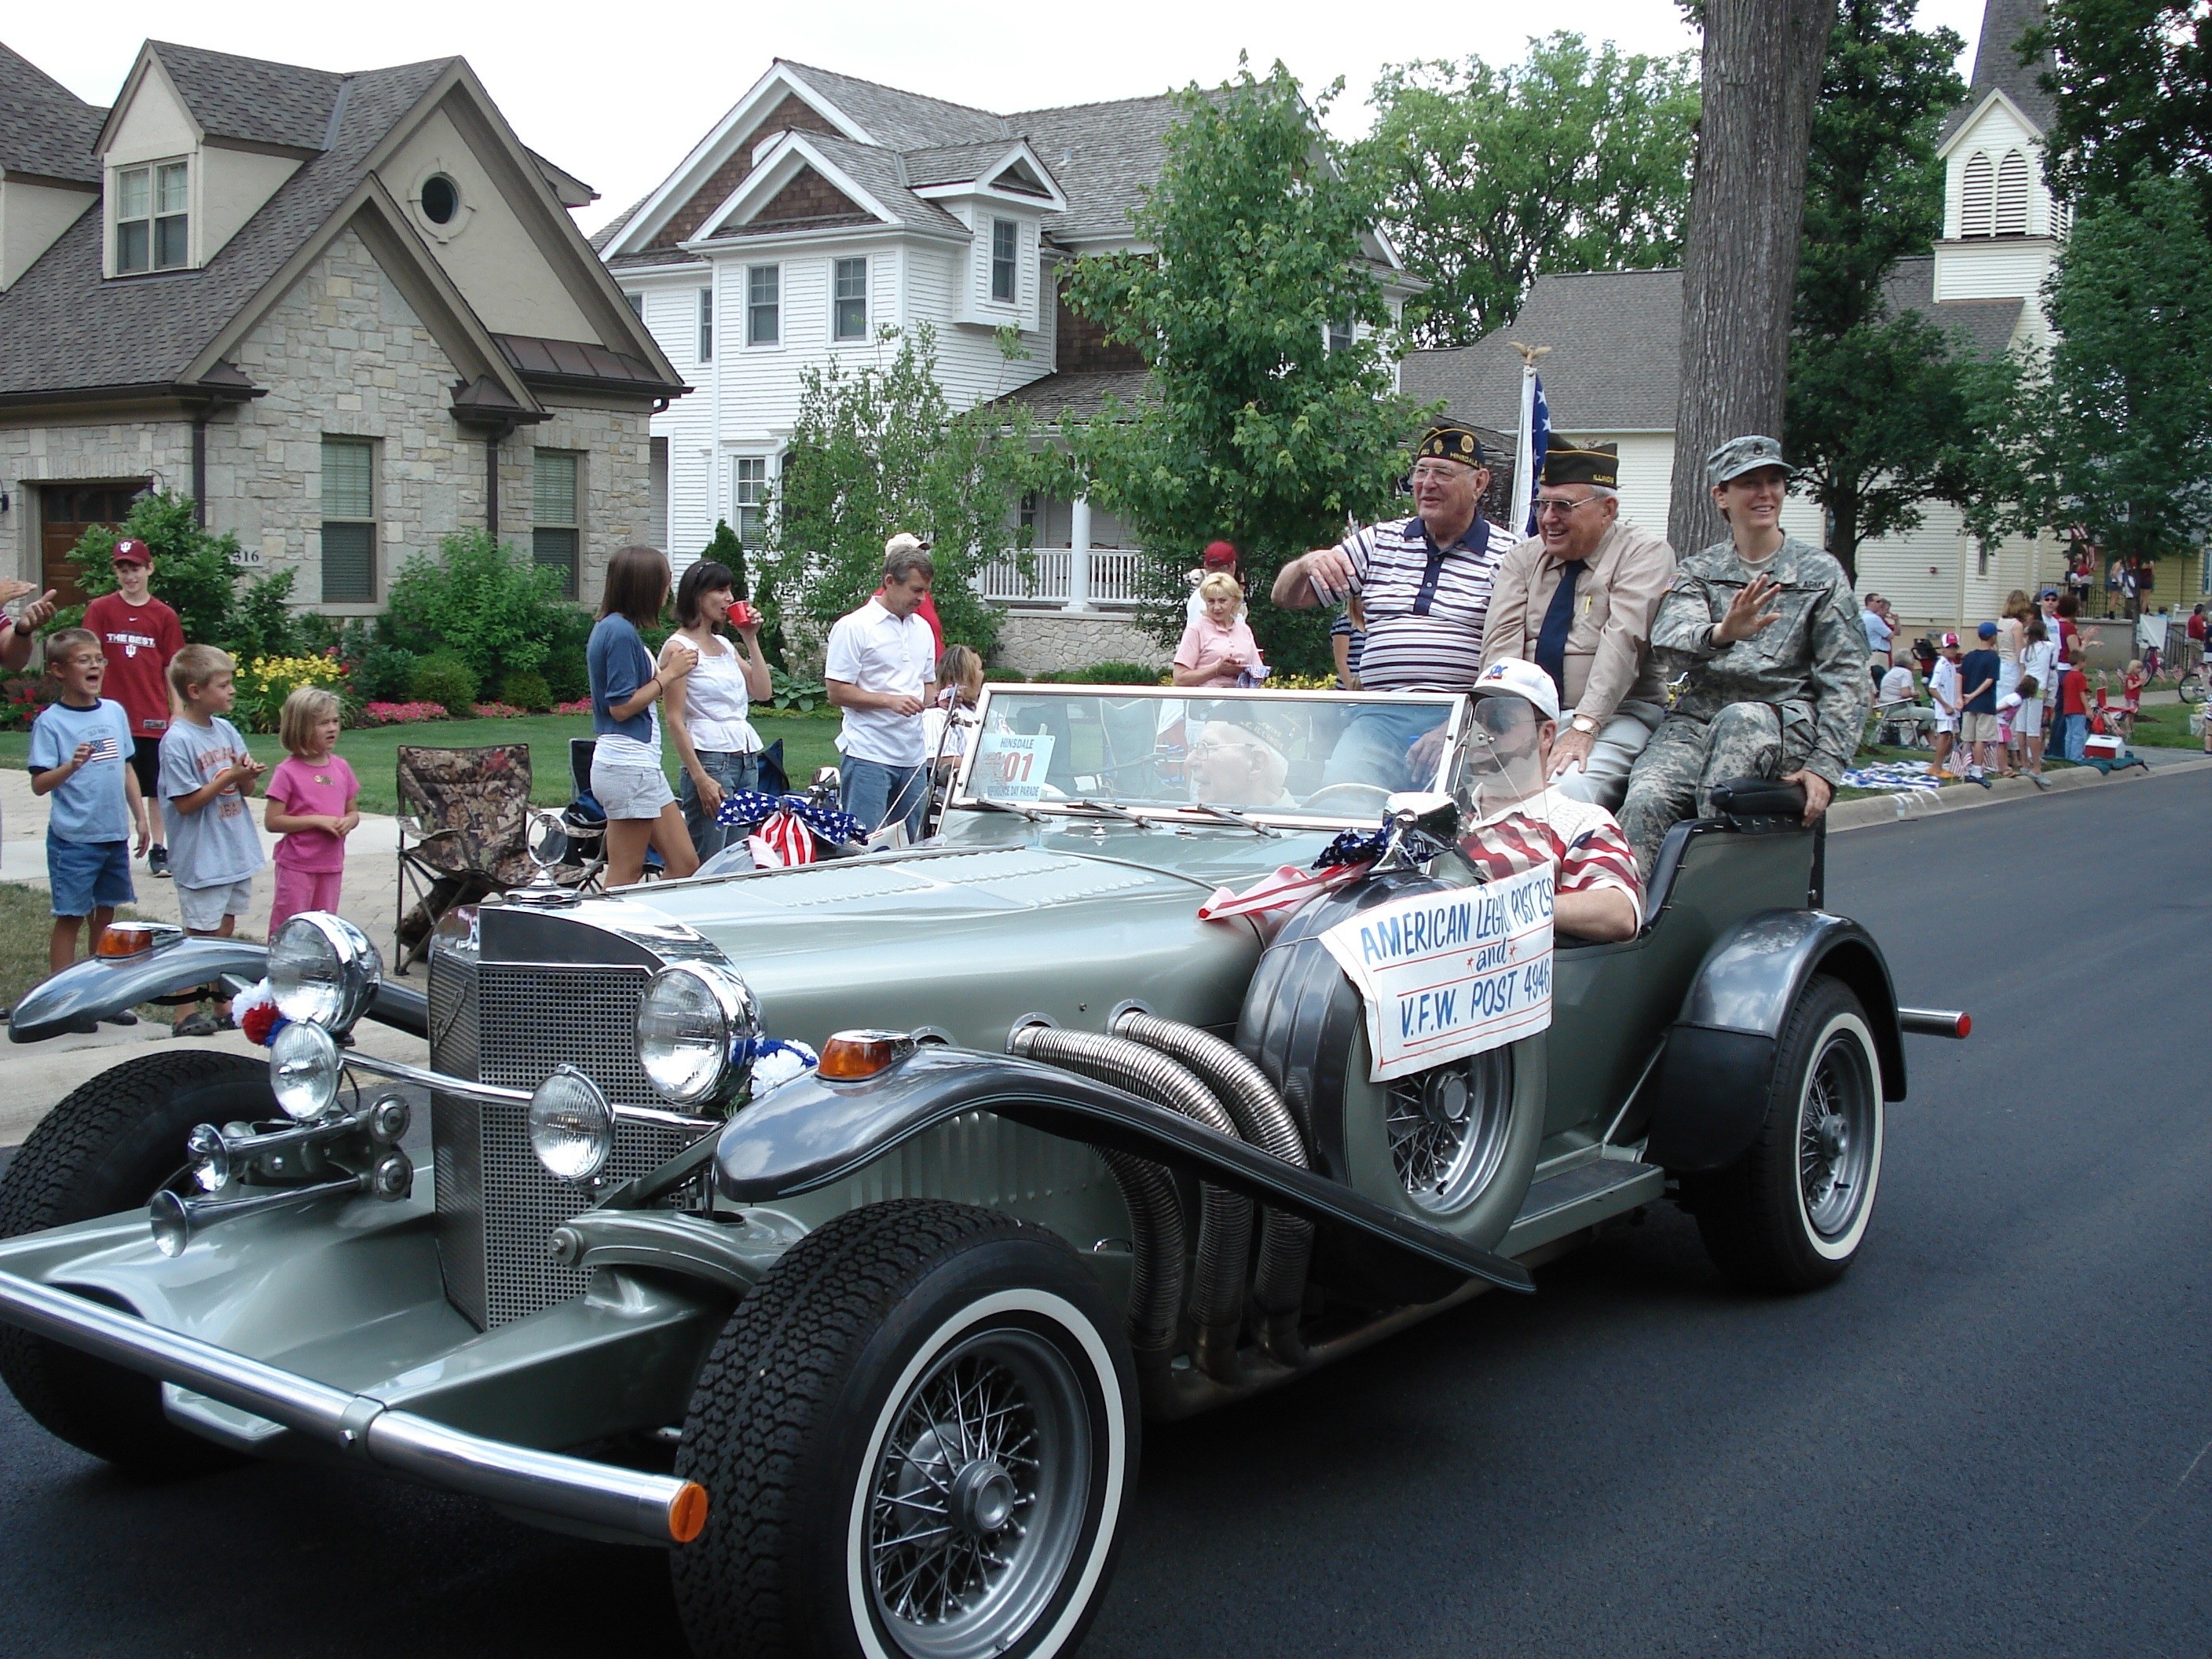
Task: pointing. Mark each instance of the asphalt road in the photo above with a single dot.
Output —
(1995, 1436)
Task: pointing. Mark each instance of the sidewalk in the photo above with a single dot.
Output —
(368, 900)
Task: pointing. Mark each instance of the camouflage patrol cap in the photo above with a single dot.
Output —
(1740, 455)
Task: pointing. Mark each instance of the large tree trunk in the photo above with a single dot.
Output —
(1761, 74)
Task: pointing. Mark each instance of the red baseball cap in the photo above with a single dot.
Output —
(132, 550)
(1220, 556)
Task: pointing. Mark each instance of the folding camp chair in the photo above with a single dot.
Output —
(464, 832)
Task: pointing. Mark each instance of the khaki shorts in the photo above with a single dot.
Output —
(203, 909)
(1980, 728)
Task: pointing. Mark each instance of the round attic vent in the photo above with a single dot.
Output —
(442, 199)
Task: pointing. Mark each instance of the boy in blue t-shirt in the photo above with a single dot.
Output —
(207, 773)
(1978, 723)
(80, 756)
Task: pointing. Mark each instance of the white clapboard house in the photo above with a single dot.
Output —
(822, 209)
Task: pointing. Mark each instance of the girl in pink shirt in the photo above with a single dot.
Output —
(1219, 649)
(311, 805)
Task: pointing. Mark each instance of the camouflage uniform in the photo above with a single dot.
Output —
(1791, 697)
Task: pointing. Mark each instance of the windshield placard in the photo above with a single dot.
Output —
(1012, 765)
(1450, 974)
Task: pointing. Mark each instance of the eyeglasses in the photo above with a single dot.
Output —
(1207, 748)
(1444, 474)
(1559, 506)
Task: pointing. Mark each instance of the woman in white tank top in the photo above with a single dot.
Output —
(708, 712)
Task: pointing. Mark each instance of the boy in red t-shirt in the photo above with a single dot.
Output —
(138, 635)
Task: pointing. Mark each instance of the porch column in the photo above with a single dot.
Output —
(1078, 554)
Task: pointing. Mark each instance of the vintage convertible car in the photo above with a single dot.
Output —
(868, 1350)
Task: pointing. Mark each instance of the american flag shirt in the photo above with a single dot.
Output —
(1584, 846)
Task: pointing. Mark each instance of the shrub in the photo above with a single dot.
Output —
(195, 573)
(481, 601)
(265, 681)
(566, 676)
(526, 691)
(23, 697)
(385, 673)
(261, 620)
(789, 695)
(1111, 673)
(446, 679)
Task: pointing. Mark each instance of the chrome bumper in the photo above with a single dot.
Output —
(651, 1508)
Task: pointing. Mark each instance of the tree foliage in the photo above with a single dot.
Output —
(1252, 430)
(2117, 437)
(878, 450)
(198, 575)
(2132, 82)
(1574, 159)
(1882, 408)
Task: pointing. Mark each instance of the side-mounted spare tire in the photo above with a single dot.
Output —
(1454, 1147)
(108, 1148)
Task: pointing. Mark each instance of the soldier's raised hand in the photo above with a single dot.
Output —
(1745, 616)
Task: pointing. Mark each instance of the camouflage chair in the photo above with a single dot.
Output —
(464, 826)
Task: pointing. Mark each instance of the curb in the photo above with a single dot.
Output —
(1907, 804)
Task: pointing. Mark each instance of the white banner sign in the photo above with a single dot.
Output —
(1447, 974)
(1011, 765)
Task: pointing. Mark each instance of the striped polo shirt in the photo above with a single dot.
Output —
(1425, 606)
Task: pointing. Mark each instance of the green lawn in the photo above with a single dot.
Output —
(2166, 726)
(808, 743)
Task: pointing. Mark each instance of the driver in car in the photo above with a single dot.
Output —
(1232, 765)
(1521, 822)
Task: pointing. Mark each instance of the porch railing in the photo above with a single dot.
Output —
(1114, 580)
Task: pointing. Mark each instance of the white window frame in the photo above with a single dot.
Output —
(838, 299)
(743, 481)
(754, 305)
(704, 344)
(155, 176)
(1012, 263)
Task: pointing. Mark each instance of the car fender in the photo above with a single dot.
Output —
(98, 987)
(1710, 1091)
(811, 1132)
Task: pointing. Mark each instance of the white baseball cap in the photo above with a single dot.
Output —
(1512, 676)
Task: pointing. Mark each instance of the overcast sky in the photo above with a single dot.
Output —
(617, 94)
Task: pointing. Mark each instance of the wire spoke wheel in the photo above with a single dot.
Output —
(978, 1496)
(1835, 1137)
(1446, 1129)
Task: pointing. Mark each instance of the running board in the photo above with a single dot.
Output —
(1581, 1197)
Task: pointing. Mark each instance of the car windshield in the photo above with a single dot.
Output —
(1281, 755)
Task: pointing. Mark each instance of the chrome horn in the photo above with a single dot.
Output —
(174, 1219)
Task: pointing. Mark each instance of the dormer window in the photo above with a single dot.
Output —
(1004, 237)
(153, 223)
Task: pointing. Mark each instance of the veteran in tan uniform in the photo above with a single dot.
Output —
(1577, 599)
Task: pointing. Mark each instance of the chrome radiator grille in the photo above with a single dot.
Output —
(510, 1023)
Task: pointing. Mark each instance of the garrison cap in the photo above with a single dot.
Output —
(1566, 462)
(1740, 455)
(1448, 440)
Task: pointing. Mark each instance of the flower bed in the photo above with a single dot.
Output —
(400, 713)
(497, 711)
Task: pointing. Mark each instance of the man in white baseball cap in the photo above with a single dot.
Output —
(1517, 821)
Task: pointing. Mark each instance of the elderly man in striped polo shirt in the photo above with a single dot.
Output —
(1424, 583)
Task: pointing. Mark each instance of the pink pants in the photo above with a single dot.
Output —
(302, 889)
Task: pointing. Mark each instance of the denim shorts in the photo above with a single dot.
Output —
(87, 875)
(630, 792)
(733, 771)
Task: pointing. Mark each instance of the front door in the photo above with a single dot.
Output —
(66, 510)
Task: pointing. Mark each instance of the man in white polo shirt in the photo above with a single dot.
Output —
(881, 660)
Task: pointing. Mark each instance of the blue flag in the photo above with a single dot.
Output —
(1539, 440)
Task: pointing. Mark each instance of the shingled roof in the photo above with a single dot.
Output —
(1103, 157)
(1998, 67)
(1616, 339)
(45, 128)
(251, 98)
(898, 119)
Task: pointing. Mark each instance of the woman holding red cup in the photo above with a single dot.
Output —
(707, 710)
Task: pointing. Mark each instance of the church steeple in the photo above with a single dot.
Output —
(1998, 67)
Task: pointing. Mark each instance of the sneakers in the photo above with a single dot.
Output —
(197, 1024)
(157, 861)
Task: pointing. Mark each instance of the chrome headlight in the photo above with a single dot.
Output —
(303, 1070)
(323, 970)
(572, 1127)
(697, 1025)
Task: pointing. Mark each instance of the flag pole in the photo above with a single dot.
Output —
(1524, 452)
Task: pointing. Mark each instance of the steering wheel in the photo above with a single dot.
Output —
(1381, 795)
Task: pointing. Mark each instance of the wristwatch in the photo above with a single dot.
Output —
(1585, 724)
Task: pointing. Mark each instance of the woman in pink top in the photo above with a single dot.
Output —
(311, 805)
(1215, 651)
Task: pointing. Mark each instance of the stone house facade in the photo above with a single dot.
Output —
(406, 319)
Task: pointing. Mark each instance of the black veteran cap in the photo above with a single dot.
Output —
(1566, 462)
(1448, 440)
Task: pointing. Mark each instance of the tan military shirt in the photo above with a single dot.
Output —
(1608, 655)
